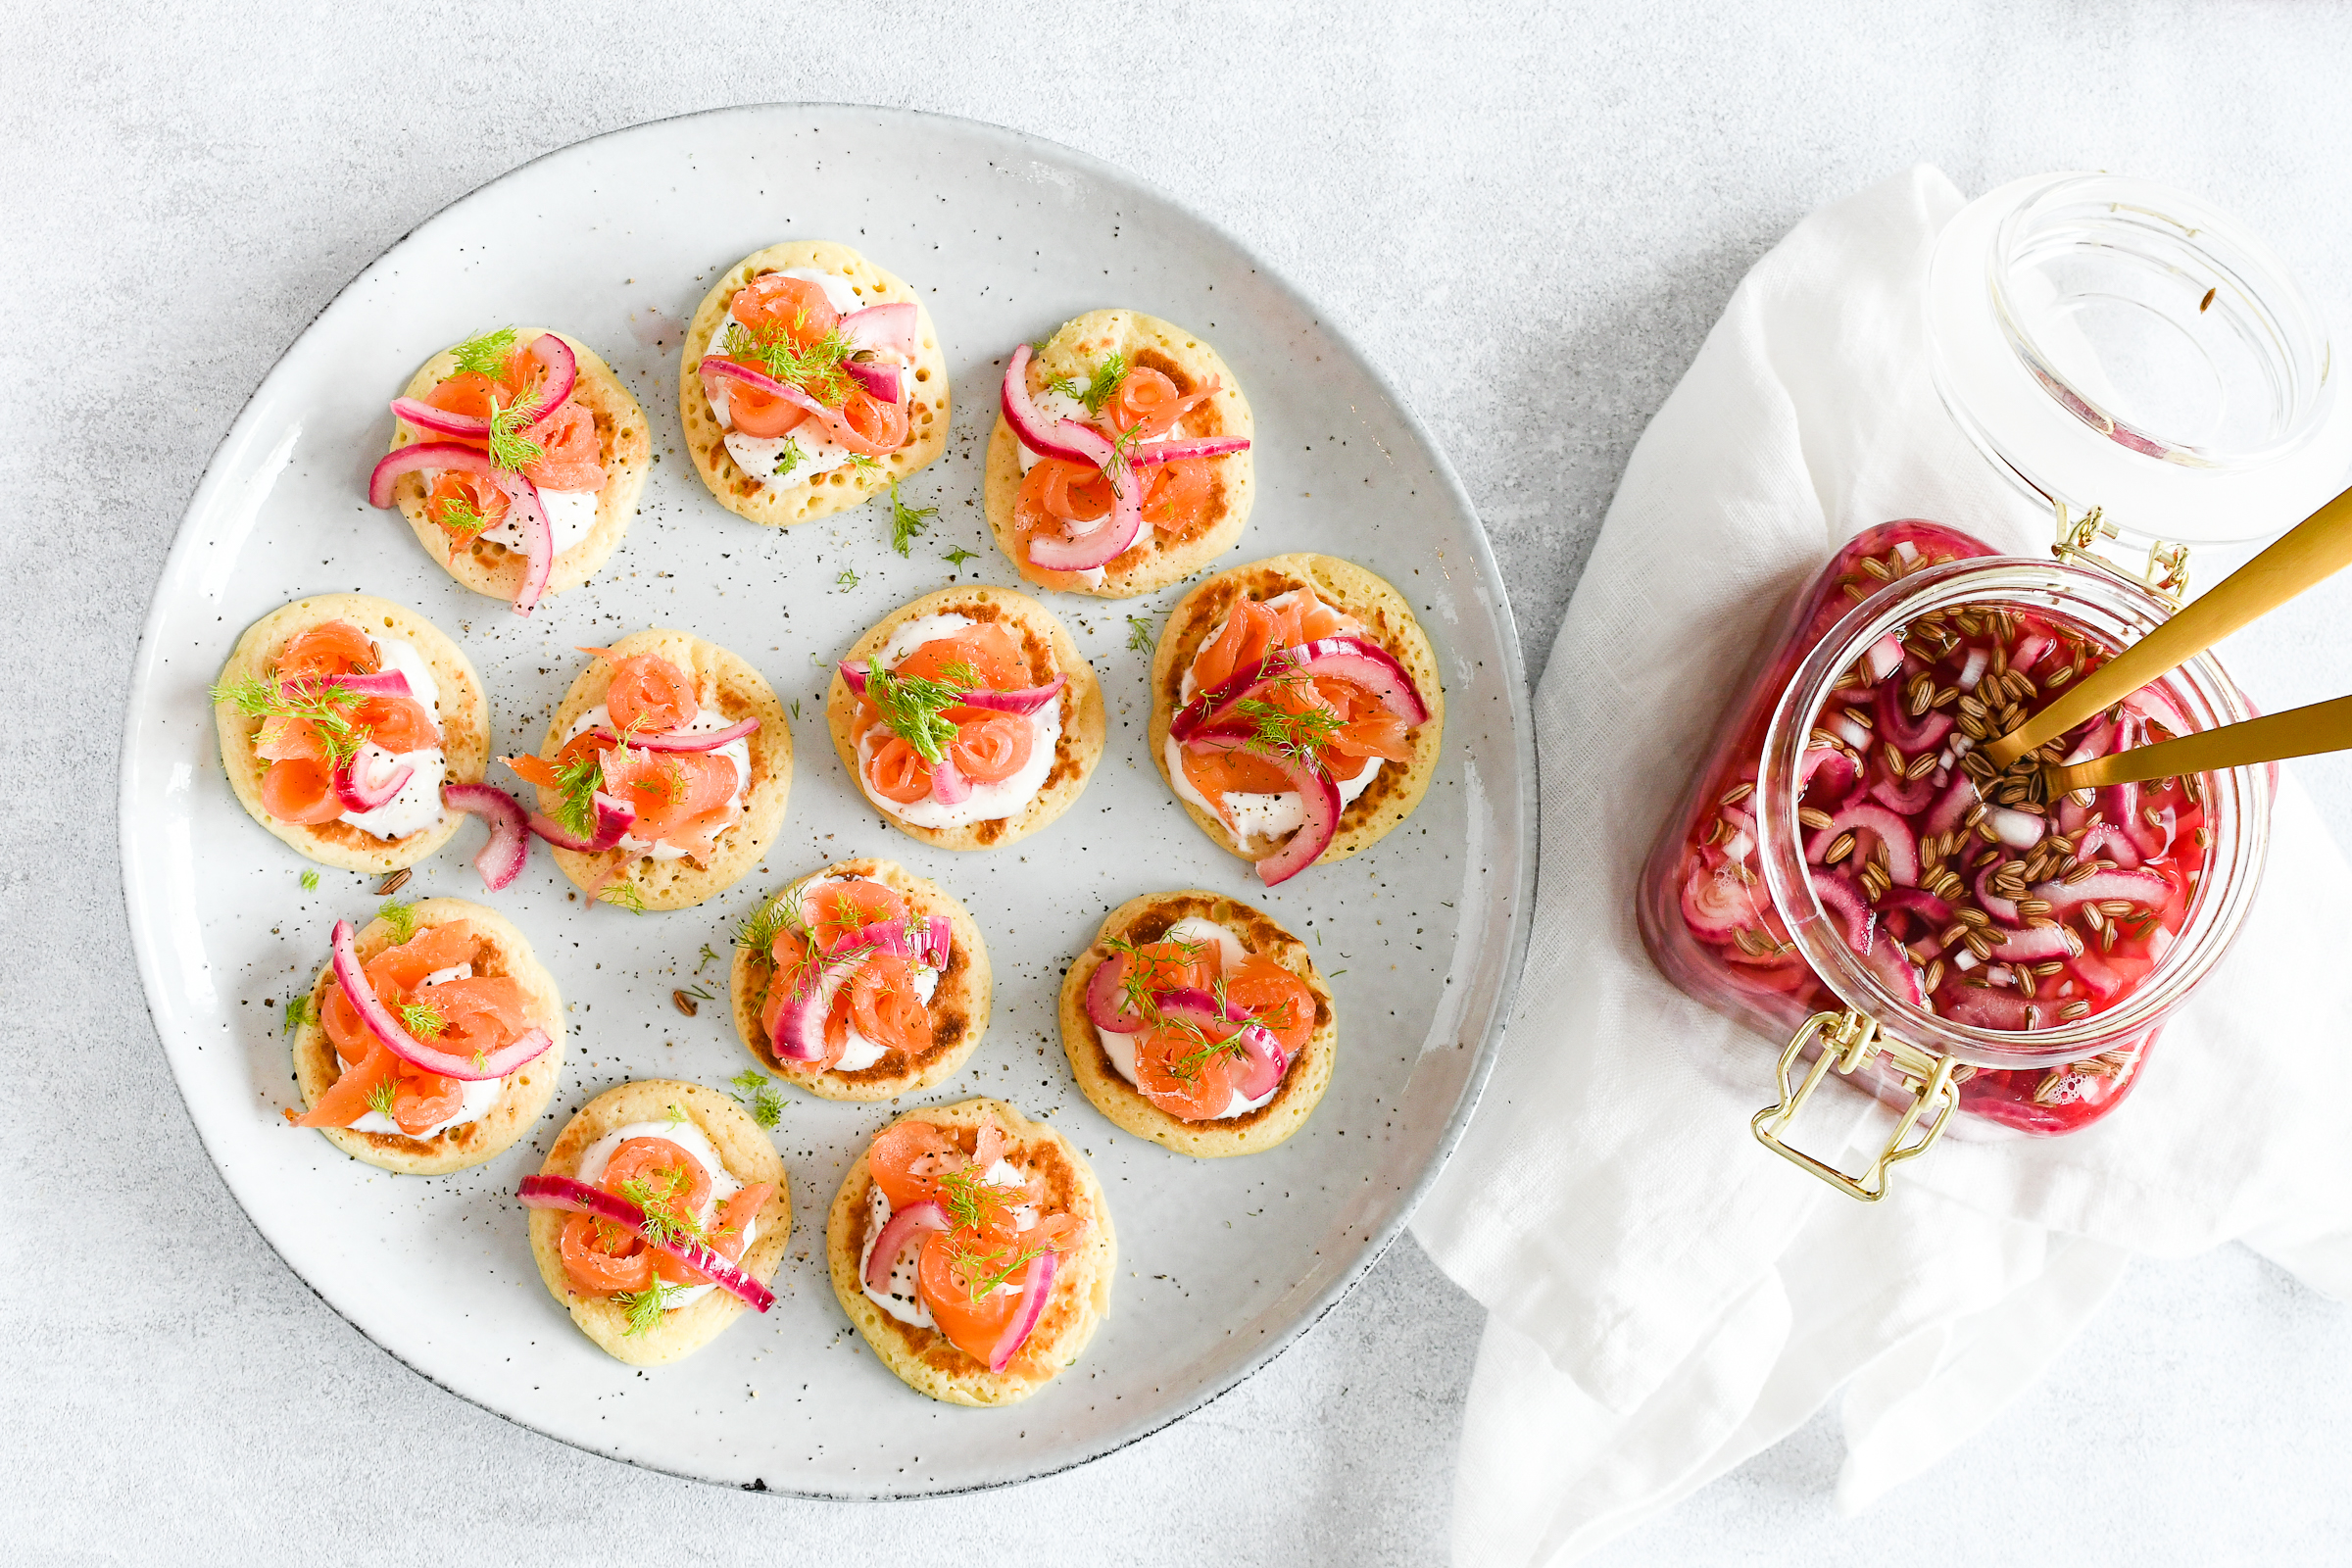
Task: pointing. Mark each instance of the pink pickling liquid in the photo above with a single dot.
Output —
(2001, 917)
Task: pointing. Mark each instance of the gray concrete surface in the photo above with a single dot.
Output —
(1531, 215)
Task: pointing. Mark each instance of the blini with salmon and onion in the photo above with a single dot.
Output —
(838, 444)
(258, 707)
(923, 1356)
(1276, 728)
(1152, 1087)
(929, 1032)
(494, 949)
(1144, 388)
(630, 1330)
(1037, 759)
(709, 853)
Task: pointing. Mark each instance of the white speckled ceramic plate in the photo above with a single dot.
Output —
(614, 240)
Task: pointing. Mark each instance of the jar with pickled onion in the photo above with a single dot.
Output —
(1845, 866)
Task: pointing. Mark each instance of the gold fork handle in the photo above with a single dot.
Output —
(2297, 733)
(2313, 550)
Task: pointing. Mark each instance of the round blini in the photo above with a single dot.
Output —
(959, 1008)
(502, 950)
(838, 489)
(730, 685)
(749, 1156)
(1156, 559)
(925, 1358)
(462, 711)
(1388, 619)
(624, 446)
(1049, 650)
(1146, 919)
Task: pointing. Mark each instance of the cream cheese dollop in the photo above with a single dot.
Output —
(417, 806)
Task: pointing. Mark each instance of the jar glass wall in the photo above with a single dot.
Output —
(1832, 853)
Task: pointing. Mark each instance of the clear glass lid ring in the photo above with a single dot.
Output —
(2109, 342)
(2158, 323)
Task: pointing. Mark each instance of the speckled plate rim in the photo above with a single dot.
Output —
(1485, 1018)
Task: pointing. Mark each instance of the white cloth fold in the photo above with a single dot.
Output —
(1666, 1297)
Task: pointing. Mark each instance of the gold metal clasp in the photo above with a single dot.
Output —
(2167, 572)
(1849, 1043)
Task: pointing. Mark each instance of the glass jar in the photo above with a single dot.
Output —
(1750, 904)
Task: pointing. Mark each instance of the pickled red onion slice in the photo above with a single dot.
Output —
(2035, 945)
(383, 683)
(2143, 888)
(1716, 903)
(949, 786)
(689, 740)
(564, 1192)
(614, 819)
(1349, 658)
(925, 942)
(526, 1046)
(880, 381)
(1107, 1001)
(1844, 904)
(365, 783)
(563, 373)
(1841, 772)
(525, 513)
(1891, 830)
(1317, 792)
(1040, 432)
(509, 847)
(1146, 454)
(904, 1225)
(523, 510)
(1026, 699)
(800, 1032)
(1034, 1289)
(1910, 735)
(883, 327)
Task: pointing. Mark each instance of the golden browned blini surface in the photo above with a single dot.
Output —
(926, 1360)
(624, 447)
(780, 506)
(749, 1156)
(500, 950)
(959, 1008)
(722, 682)
(1046, 644)
(1146, 919)
(1157, 558)
(1388, 620)
(462, 712)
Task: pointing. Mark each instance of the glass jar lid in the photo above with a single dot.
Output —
(2109, 342)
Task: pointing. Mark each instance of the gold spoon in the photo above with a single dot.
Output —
(2273, 738)
(2312, 550)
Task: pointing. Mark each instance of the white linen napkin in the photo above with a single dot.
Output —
(1666, 1297)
